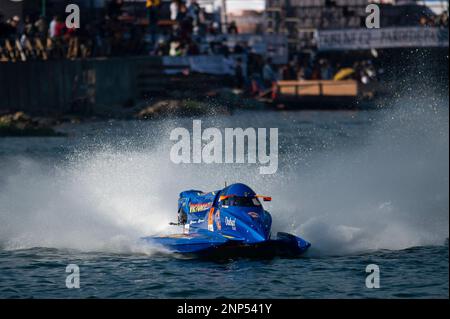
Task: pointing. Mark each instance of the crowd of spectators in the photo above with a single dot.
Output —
(179, 31)
(114, 33)
(189, 26)
(43, 39)
(264, 74)
(362, 70)
(435, 21)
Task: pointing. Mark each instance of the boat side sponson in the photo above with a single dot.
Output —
(284, 244)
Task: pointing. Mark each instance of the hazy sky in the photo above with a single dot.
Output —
(234, 5)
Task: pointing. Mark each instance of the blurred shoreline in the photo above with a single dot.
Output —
(42, 95)
(137, 60)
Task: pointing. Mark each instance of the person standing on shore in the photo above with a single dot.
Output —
(4, 29)
(269, 76)
(3, 35)
(194, 11)
(12, 28)
(239, 74)
(52, 27)
(232, 28)
(41, 27)
(56, 31)
(56, 28)
(174, 9)
(153, 7)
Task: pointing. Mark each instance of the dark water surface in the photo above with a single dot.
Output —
(40, 273)
(363, 187)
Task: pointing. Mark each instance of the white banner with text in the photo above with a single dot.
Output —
(366, 39)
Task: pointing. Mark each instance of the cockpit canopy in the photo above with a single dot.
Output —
(241, 201)
(239, 190)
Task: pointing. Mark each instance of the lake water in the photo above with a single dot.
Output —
(363, 187)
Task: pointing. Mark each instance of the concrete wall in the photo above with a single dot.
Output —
(57, 87)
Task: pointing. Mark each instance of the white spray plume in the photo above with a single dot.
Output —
(391, 193)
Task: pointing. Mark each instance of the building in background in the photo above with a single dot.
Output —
(437, 6)
(299, 20)
(216, 10)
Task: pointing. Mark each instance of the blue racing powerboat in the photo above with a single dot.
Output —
(229, 222)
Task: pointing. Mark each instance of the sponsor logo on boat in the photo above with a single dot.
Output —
(217, 220)
(195, 208)
(210, 219)
(230, 222)
(253, 215)
(198, 221)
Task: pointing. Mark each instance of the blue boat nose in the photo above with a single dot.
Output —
(249, 224)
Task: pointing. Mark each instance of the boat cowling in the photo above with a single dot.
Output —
(240, 215)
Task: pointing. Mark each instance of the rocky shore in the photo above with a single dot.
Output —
(21, 124)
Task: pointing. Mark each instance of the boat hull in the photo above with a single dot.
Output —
(215, 246)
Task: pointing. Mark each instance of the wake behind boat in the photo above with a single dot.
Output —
(229, 222)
